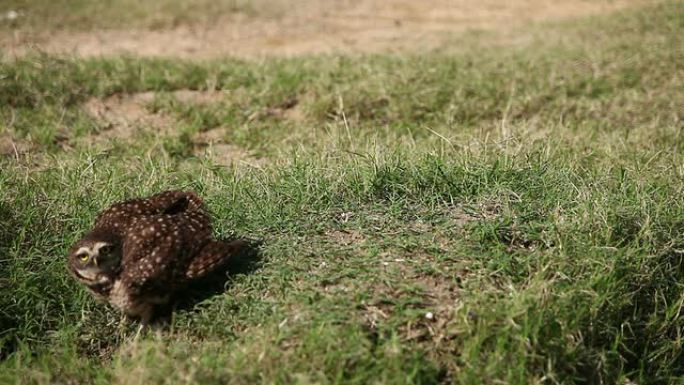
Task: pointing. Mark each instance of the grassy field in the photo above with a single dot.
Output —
(39, 15)
(498, 215)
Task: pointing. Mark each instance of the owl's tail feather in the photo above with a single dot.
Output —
(213, 255)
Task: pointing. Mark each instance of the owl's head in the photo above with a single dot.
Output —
(92, 260)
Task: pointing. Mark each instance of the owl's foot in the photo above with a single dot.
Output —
(145, 313)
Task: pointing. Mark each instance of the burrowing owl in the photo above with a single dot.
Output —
(141, 251)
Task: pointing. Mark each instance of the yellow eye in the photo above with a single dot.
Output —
(84, 257)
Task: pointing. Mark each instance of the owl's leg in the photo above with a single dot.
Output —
(137, 332)
(123, 323)
(146, 312)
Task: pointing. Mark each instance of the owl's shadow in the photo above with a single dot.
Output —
(244, 262)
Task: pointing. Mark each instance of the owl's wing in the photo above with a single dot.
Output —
(213, 255)
(149, 264)
(168, 202)
(158, 249)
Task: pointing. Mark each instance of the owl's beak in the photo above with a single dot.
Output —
(95, 261)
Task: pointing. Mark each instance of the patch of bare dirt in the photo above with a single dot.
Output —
(289, 109)
(123, 116)
(286, 110)
(14, 147)
(462, 215)
(318, 26)
(22, 151)
(199, 97)
(441, 301)
(211, 144)
(344, 237)
(435, 299)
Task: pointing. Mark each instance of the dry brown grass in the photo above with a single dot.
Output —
(312, 27)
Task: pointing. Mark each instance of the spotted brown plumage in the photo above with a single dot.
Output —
(118, 215)
(141, 251)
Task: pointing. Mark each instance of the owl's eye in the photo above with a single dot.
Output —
(83, 257)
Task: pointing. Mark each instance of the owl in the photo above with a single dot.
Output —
(142, 251)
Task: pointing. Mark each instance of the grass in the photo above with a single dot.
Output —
(81, 15)
(528, 199)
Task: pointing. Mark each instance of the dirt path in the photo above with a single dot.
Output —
(319, 26)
